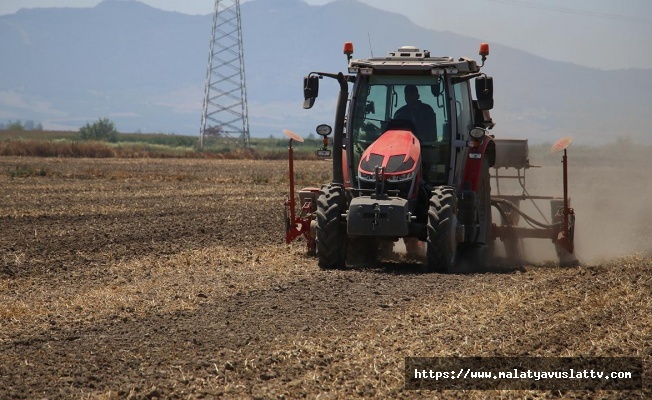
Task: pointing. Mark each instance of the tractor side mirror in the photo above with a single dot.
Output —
(310, 90)
(484, 90)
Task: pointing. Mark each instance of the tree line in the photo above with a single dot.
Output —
(28, 125)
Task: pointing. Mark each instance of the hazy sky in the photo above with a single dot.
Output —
(606, 34)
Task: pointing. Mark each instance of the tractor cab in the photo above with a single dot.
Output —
(410, 118)
(410, 90)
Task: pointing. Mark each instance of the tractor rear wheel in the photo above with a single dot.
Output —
(331, 238)
(483, 206)
(479, 252)
(441, 246)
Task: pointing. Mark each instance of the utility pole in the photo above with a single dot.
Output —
(225, 98)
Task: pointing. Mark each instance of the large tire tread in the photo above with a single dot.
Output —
(442, 220)
(331, 239)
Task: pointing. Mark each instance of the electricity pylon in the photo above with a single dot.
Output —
(225, 97)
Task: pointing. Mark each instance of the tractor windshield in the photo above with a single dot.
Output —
(415, 103)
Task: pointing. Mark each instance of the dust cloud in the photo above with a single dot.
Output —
(611, 192)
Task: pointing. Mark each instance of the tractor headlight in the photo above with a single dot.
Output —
(366, 177)
(401, 178)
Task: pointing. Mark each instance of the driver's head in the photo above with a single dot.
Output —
(411, 94)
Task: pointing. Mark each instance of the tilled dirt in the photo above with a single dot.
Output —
(170, 279)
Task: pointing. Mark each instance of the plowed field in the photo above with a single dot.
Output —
(171, 279)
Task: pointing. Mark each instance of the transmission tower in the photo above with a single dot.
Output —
(225, 98)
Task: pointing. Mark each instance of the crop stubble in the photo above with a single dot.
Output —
(169, 278)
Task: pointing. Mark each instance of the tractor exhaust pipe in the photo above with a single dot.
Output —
(338, 136)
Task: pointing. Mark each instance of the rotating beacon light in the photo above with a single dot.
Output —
(484, 52)
(348, 50)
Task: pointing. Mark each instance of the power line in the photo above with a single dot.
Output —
(571, 11)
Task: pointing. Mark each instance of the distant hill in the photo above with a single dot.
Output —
(145, 69)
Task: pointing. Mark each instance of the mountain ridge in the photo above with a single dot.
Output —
(145, 68)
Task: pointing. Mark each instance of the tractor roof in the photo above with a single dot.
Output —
(411, 60)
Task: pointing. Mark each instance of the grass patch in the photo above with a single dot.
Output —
(24, 171)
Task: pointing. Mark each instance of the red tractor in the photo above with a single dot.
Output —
(411, 159)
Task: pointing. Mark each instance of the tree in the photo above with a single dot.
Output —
(15, 126)
(103, 129)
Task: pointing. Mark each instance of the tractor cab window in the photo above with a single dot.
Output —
(414, 103)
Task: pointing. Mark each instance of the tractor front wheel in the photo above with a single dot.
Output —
(442, 228)
(331, 238)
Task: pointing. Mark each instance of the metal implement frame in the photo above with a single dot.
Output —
(296, 226)
(560, 230)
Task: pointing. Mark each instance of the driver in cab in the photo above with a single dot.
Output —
(419, 113)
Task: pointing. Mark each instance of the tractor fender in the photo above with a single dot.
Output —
(474, 160)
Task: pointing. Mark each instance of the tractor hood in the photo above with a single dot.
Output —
(396, 150)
